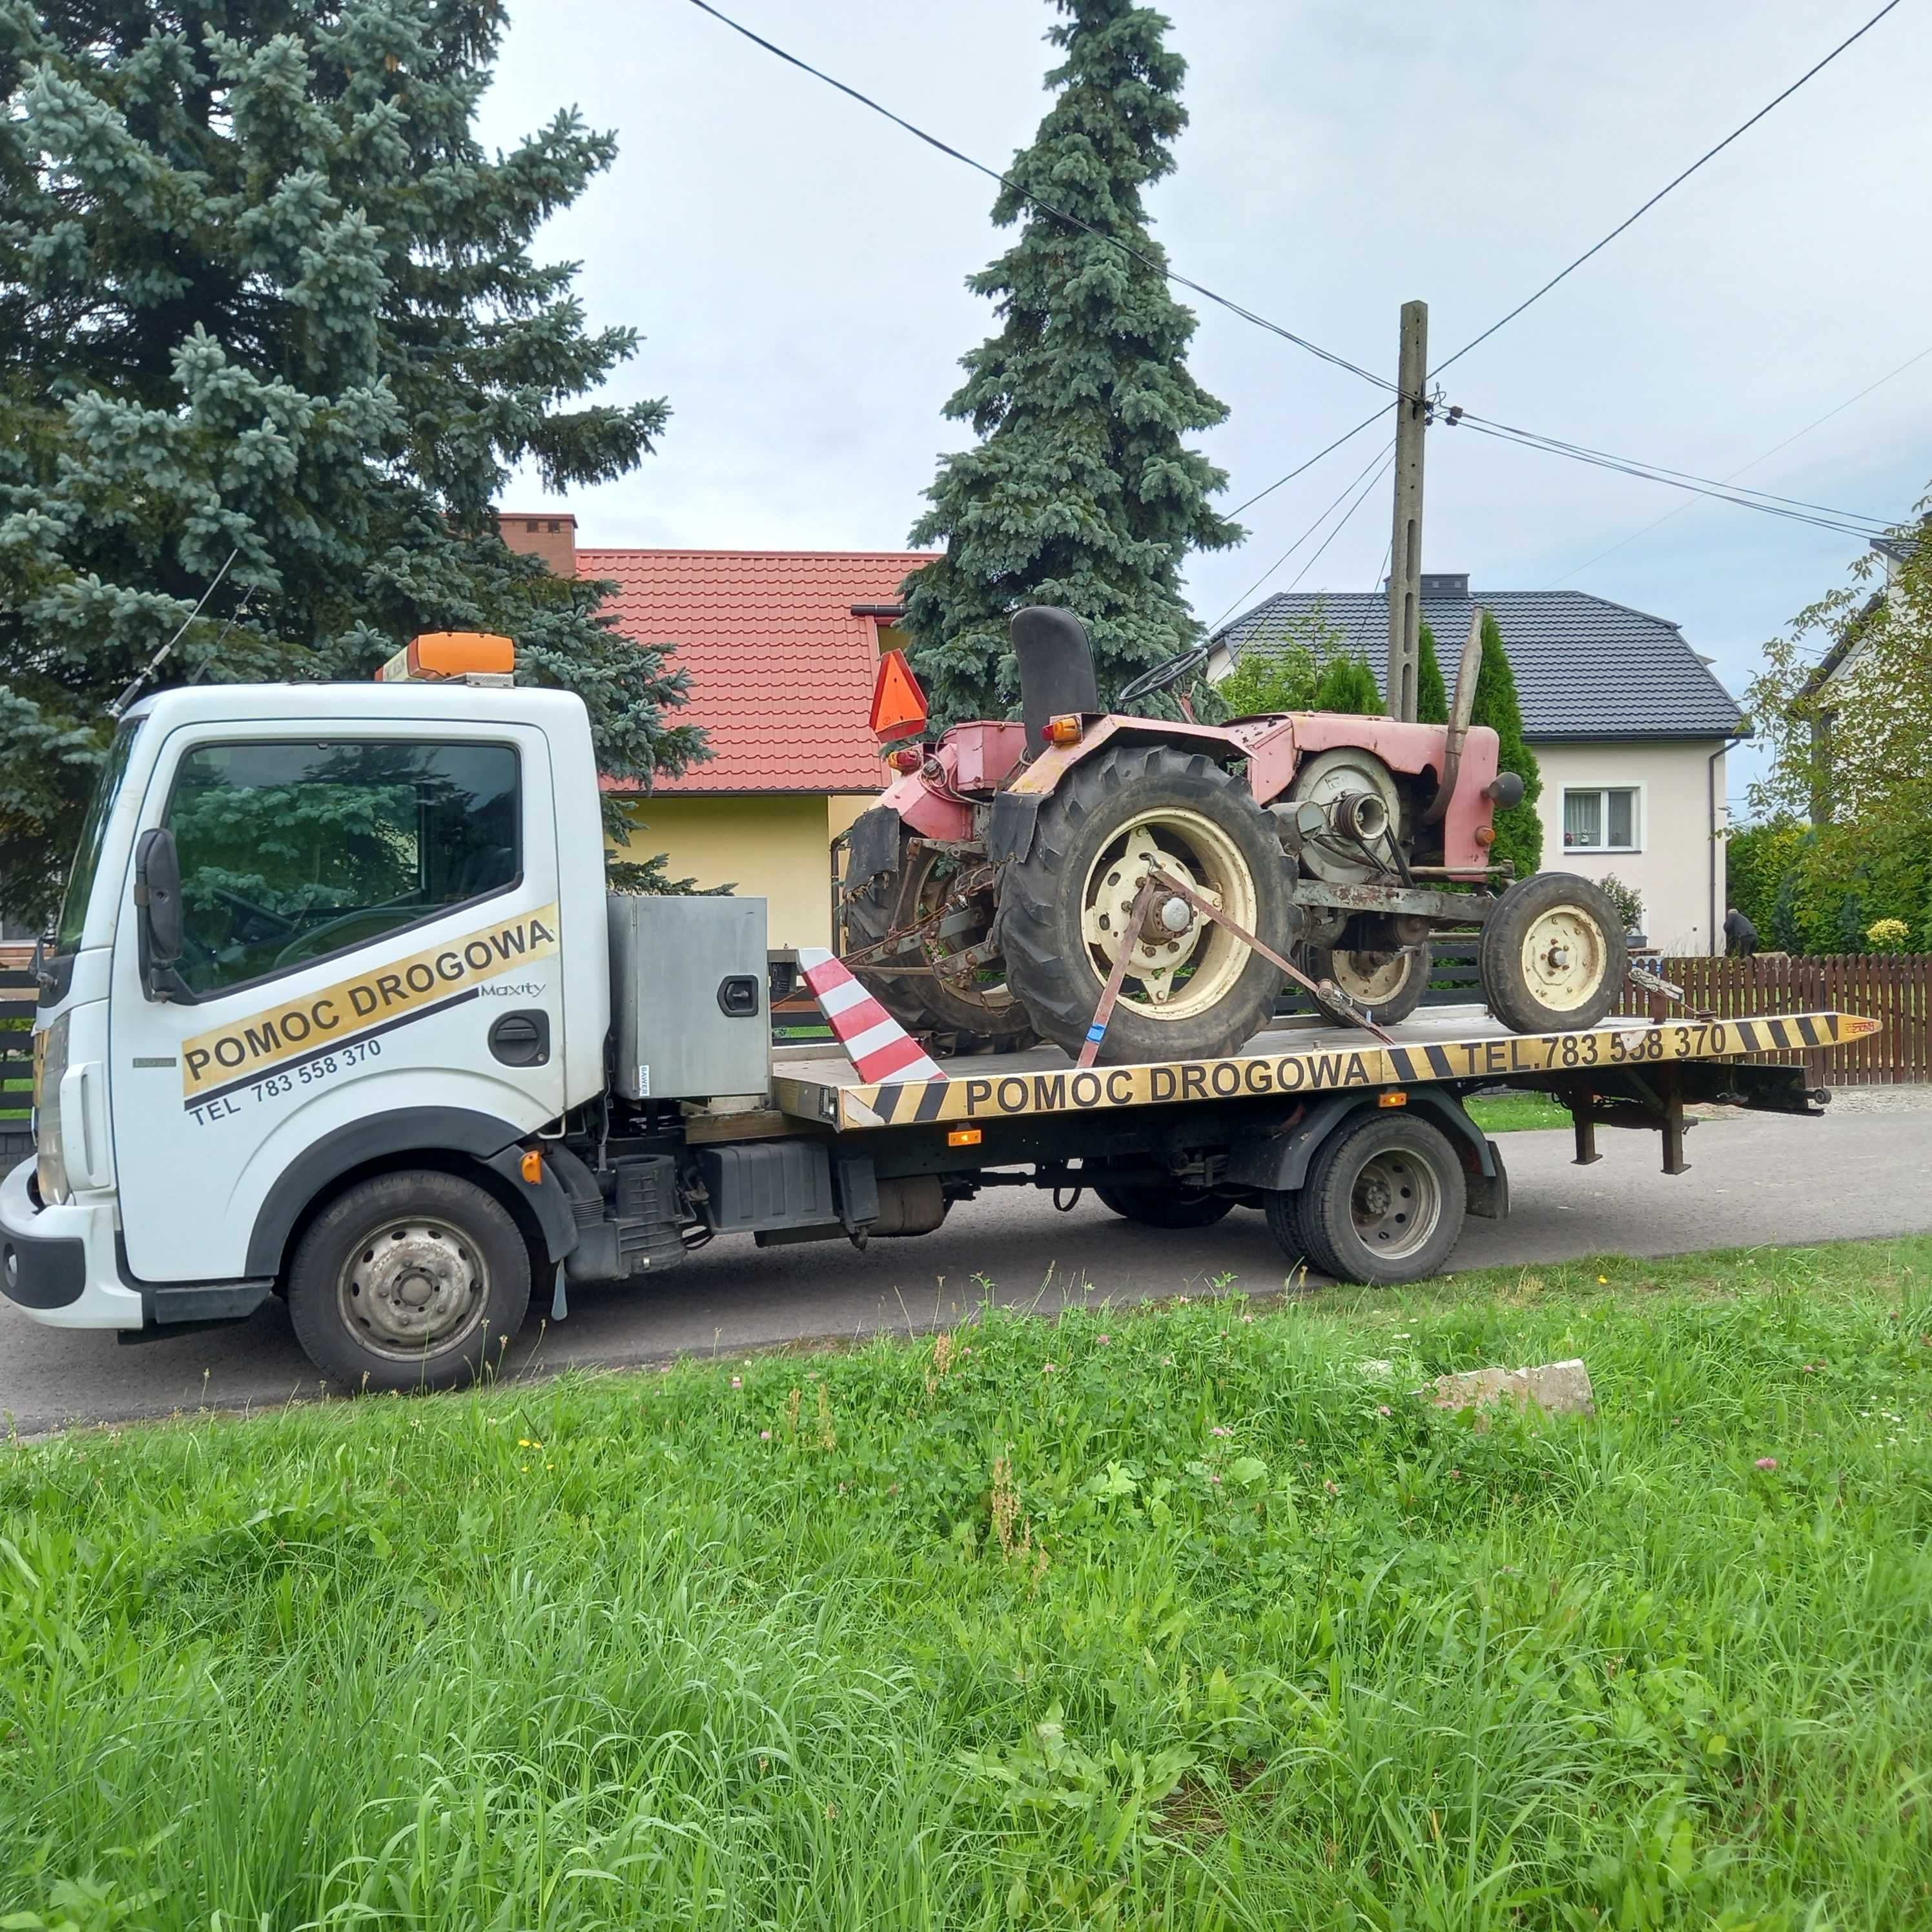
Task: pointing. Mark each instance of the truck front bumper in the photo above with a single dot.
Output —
(60, 1264)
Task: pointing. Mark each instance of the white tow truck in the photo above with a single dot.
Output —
(339, 1008)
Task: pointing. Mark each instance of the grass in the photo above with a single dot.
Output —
(1515, 1112)
(1188, 1617)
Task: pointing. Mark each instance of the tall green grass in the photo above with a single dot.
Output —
(1189, 1617)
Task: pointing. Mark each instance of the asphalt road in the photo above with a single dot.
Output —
(1755, 1181)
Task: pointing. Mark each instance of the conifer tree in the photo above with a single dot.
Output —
(1081, 491)
(1432, 695)
(1519, 830)
(1347, 684)
(263, 295)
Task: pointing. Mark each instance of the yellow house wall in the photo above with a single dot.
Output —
(775, 846)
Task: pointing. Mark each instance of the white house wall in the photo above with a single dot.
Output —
(1676, 847)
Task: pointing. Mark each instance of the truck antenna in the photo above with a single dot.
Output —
(118, 708)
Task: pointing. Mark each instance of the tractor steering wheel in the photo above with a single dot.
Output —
(1170, 670)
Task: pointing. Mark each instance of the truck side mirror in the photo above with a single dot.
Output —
(157, 894)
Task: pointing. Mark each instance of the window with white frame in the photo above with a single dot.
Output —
(1601, 819)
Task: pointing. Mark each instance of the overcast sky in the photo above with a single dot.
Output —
(797, 266)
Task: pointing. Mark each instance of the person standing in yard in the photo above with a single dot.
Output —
(1740, 935)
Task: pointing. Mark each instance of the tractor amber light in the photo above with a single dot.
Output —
(532, 1165)
(965, 1137)
(908, 760)
(1397, 1098)
(439, 655)
(1485, 835)
(1062, 731)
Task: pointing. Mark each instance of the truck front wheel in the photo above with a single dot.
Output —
(1383, 1203)
(406, 1280)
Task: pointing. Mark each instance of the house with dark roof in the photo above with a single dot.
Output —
(1628, 723)
(781, 648)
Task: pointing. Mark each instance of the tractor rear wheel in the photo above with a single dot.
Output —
(1553, 956)
(975, 1008)
(1192, 990)
(1388, 986)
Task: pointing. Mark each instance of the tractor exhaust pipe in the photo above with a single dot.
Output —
(1056, 664)
(1459, 718)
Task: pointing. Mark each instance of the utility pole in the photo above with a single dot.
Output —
(1405, 584)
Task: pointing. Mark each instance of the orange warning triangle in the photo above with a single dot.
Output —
(899, 705)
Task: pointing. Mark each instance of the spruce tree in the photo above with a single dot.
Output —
(263, 294)
(1347, 684)
(1518, 830)
(1081, 491)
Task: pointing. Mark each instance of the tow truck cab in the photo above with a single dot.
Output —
(372, 887)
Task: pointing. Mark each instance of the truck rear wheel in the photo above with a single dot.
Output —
(1383, 1202)
(1192, 990)
(1162, 1207)
(407, 1281)
(1552, 956)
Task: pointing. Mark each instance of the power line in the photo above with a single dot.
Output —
(1327, 449)
(1848, 522)
(1377, 462)
(1160, 268)
(1677, 181)
(1751, 465)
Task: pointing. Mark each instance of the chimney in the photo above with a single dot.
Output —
(550, 536)
(1445, 583)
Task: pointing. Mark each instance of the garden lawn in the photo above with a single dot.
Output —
(1517, 1112)
(1186, 1617)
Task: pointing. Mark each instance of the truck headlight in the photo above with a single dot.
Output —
(49, 1069)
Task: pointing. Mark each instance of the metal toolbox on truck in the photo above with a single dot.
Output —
(688, 997)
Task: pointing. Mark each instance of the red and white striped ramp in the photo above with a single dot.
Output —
(876, 1044)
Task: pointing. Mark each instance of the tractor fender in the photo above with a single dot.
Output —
(1043, 776)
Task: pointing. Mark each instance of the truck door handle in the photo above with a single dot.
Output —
(521, 1039)
(738, 997)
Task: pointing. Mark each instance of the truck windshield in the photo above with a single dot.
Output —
(87, 857)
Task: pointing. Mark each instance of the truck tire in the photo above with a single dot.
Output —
(1282, 1207)
(1204, 991)
(409, 1281)
(1389, 986)
(1162, 1207)
(987, 1016)
(1552, 955)
(1383, 1203)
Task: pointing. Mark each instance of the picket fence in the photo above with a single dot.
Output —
(1892, 988)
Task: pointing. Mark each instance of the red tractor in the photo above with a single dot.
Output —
(989, 894)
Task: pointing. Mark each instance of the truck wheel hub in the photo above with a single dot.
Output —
(413, 1285)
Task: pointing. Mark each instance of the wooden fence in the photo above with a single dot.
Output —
(1892, 988)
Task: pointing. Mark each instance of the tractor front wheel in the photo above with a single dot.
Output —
(1192, 991)
(1552, 956)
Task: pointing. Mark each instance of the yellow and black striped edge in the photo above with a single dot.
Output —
(993, 1095)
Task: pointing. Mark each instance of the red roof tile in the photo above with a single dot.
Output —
(781, 670)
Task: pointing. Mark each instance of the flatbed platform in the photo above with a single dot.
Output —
(1294, 1057)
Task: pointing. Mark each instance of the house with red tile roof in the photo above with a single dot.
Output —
(781, 648)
